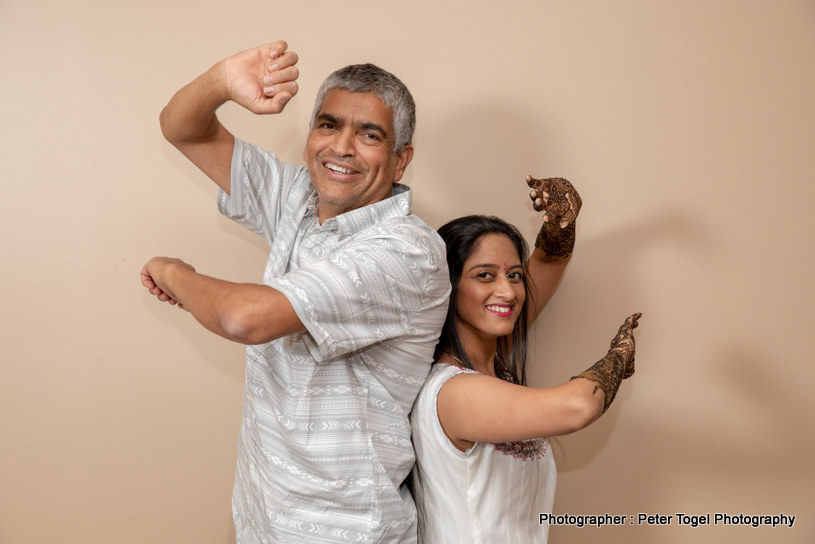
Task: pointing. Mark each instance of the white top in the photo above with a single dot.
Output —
(492, 493)
(325, 437)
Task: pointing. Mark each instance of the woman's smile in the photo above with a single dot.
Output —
(490, 289)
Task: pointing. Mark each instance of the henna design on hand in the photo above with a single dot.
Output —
(560, 203)
(618, 364)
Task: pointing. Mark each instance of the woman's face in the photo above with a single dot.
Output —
(491, 291)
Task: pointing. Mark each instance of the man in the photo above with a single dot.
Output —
(341, 333)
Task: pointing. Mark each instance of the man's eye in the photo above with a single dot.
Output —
(370, 136)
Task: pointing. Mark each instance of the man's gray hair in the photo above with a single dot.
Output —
(369, 78)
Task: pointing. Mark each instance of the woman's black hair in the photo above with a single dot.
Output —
(462, 237)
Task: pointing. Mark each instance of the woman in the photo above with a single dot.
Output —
(483, 473)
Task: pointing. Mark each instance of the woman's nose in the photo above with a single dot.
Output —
(503, 288)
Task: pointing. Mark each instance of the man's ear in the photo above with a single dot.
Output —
(403, 158)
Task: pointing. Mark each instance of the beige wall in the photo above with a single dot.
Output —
(688, 126)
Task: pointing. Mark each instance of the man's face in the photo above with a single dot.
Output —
(349, 152)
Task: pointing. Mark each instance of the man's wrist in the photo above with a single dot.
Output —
(214, 83)
(168, 276)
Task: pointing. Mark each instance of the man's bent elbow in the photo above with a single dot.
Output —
(253, 324)
(242, 329)
(166, 126)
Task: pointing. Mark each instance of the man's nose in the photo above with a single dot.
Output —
(343, 143)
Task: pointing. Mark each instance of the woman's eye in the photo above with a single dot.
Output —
(515, 276)
(484, 276)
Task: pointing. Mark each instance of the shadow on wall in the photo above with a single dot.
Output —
(754, 458)
(724, 426)
(603, 285)
(476, 162)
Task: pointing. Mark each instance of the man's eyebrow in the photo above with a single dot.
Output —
(328, 117)
(374, 127)
(367, 125)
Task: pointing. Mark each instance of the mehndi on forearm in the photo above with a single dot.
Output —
(561, 203)
(617, 365)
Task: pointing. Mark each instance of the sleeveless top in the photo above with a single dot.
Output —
(491, 493)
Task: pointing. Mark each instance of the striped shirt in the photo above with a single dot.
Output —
(325, 438)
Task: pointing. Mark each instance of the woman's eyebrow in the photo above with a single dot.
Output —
(493, 265)
(483, 265)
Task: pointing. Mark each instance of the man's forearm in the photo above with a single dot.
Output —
(190, 124)
(242, 312)
(190, 114)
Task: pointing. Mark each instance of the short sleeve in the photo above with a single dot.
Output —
(390, 282)
(262, 189)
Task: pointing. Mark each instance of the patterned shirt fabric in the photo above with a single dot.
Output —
(489, 493)
(324, 443)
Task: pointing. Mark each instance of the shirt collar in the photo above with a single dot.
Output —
(397, 205)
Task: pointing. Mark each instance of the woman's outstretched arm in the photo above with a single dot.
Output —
(478, 408)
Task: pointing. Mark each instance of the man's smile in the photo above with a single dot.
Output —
(337, 168)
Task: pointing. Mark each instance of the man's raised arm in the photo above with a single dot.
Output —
(261, 80)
